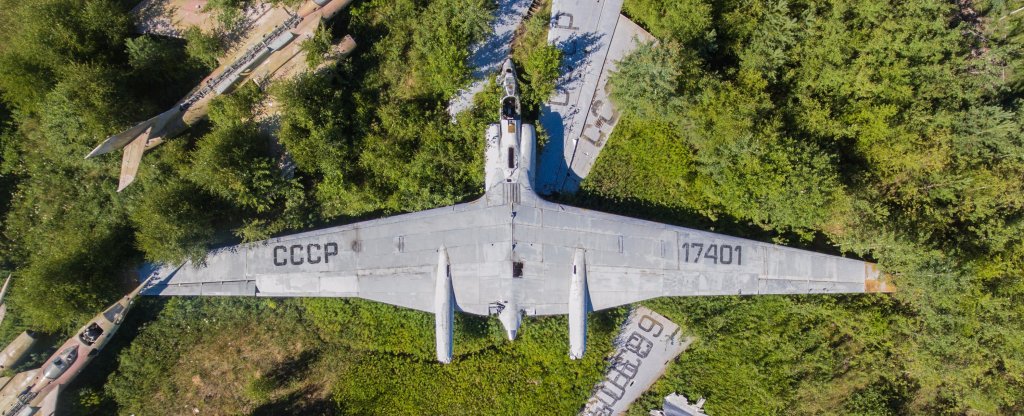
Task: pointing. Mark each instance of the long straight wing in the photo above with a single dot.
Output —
(512, 246)
(630, 260)
(579, 116)
(391, 260)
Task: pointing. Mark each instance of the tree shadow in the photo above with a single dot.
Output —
(294, 368)
(473, 326)
(306, 400)
(235, 35)
(153, 17)
(299, 402)
(576, 53)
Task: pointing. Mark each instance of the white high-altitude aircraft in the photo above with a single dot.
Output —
(512, 253)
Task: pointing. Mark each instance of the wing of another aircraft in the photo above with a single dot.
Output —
(12, 387)
(579, 117)
(130, 159)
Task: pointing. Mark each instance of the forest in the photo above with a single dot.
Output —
(886, 131)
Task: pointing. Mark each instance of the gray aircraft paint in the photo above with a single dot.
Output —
(578, 306)
(677, 405)
(511, 253)
(392, 260)
(444, 308)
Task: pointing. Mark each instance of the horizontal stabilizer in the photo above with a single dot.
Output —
(14, 386)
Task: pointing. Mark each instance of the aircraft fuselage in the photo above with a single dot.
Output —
(72, 357)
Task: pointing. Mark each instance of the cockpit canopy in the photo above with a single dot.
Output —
(91, 334)
(509, 82)
(61, 363)
(510, 108)
(114, 313)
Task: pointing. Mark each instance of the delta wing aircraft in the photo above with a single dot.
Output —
(511, 253)
(277, 52)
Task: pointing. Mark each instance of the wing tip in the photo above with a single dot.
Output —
(95, 152)
(876, 281)
(124, 181)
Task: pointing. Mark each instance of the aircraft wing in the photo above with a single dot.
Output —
(579, 116)
(630, 260)
(11, 387)
(512, 245)
(391, 260)
(130, 159)
(48, 405)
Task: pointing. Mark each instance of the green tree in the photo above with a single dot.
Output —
(235, 163)
(227, 12)
(647, 82)
(177, 222)
(439, 45)
(880, 129)
(317, 46)
(203, 47)
(679, 21)
(160, 59)
(41, 37)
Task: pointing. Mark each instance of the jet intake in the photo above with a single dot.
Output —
(578, 306)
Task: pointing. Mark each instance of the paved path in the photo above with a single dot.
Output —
(579, 118)
(486, 57)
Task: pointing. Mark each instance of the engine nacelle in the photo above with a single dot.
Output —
(528, 152)
(444, 307)
(578, 306)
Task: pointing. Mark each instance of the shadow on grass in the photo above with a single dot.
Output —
(300, 402)
(306, 400)
(294, 368)
(474, 326)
